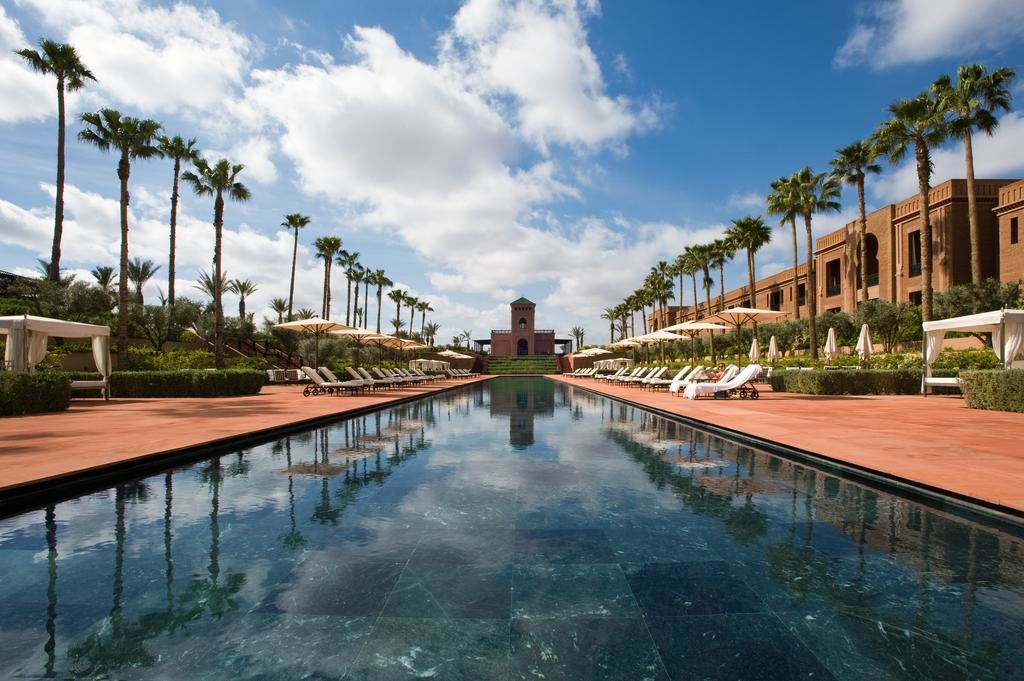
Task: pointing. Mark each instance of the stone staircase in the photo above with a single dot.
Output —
(541, 364)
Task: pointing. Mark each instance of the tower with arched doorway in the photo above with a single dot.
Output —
(523, 338)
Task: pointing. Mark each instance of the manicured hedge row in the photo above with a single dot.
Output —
(22, 393)
(188, 383)
(1001, 390)
(848, 382)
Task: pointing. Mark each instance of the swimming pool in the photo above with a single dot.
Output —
(515, 529)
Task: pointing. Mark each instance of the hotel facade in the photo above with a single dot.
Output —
(893, 244)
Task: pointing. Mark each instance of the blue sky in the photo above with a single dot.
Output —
(480, 150)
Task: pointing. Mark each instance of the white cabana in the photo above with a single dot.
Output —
(1006, 327)
(613, 364)
(433, 365)
(27, 337)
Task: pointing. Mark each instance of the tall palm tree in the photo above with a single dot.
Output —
(61, 60)
(816, 193)
(327, 247)
(367, 275)
(179, 150)
(104, 276)
(782, 202)
(752, 234)
(631, 306)
(722, 251)
(919, 123)
(305, 313)
(431, 330)
(131, 138)
(423, 307)
(218, 180)
(852, 165)
(294, 222)
(380, 280)
(358, 274)
(243, 288)
(139, 273)
(411, 302)
(398, 296)
(209, 284)
(348, 262)
(279, 306)
(703, 255)
(610, 316)
(972, 103)
(578, 332)
(691, 265)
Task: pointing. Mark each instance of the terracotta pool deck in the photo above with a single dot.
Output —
(94, 434)
(935, 441)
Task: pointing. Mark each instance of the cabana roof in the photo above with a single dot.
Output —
(52, 327)
(981, 322)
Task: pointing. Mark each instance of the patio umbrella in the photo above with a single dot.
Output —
(660, 337)
(359, 335)
(736, 317)
(831, 349)
(773, 350)
(864, 347)
(314, 325)
(755, 352)
(696, 327)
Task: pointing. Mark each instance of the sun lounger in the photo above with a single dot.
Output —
(659, 383)
(608, 377)
(678, 384)
(318, 385)
(741, 384)
(639, 377)
(657, 373)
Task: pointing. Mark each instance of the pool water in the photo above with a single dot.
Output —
(516, 529)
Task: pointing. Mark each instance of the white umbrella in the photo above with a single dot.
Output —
(755, 352)
(773, 350)
(864, 347)
(696, 327)
(314, 325)
(831, 349)
(660, 337)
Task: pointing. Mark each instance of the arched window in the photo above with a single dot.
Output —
(522, 322)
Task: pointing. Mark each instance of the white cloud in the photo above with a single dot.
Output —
(24, 94)
(750, 200)
(255, 154)
(995, 157)
(896, 32)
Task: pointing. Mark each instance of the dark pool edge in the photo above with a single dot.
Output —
(31, 495)
(931, 495)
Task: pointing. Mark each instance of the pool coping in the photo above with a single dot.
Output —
(30, 495)
(922, 492)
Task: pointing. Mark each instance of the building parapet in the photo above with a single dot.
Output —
(1010, 196)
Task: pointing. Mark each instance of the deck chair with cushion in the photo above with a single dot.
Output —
(608, 377)
(678, 384)
(659, 383)
(319, 386)
(657, 373)
(741, 384)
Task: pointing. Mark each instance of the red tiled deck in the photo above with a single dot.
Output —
(934, 441)
(93, 434)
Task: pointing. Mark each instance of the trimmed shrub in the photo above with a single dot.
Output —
(1000, 390)
(230, 383)
(848, 382)
(22, 393)
(149, 359)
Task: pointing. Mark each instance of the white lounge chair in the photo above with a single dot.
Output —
(658, 383)
(656, 374)
(741, 384)
(678, 384)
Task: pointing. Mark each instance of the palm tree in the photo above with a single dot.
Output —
(782, 202)
(180, 150)
(703, 255)
(327, 247)
(423, 307)
(919, 122)
(398, 296)
(691, 265)
(139, 273)
(411, 302)
(217, 180)
(430, 331)
(659, 285)
(816, 193)
(104, 276)
(305, 313)
(367, 275)
(131, 138)
(610, 316)
(208, 284)
(972, 104)
(358, 274)
(243, 288)
(279, 306)
(751, 234)
(295, 222)
(852, 165)
(578, 332)
(631, 306)
(467, 334)
(62, 61)
(348, 262)
(380, 280)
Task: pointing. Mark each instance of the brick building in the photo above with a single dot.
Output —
(893, 262)
(523, 339)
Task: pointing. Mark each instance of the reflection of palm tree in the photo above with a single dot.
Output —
(293, 539)
(168, 536)
(51, 589)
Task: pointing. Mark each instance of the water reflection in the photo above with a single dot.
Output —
(199, 561)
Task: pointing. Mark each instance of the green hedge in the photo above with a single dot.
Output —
(230, 383)
(848, 382)
(1001, 390)
(22, 393)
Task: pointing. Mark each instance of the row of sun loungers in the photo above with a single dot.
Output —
(686, 382)
(323, 381)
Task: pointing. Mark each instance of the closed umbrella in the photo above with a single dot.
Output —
(755, 352)
(773, 350)
(831, 349)
(864, 347)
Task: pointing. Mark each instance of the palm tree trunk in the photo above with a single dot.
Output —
(707, 292)
(58, 208)
(218, 290)
(174, 226)
(812, 290)
(750, 274)
(380, 295)
(123, 172)
(291, 287)
(721, 286)
(923, 177)
(863, 250)
(693, 276)
(327, 282)
(796, 270)
(643, 314)
(423, 323)
(412, 320)
(398, 316)
(348, 300)
(611, 331)
(972, 210)
(366, 301)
